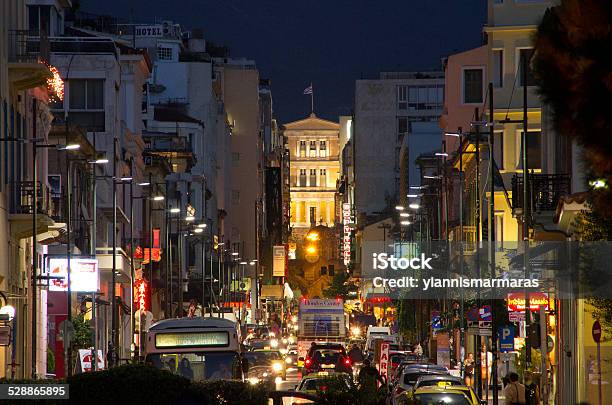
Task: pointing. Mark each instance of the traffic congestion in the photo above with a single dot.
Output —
(316, 352)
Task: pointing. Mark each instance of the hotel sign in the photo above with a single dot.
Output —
(346, 239)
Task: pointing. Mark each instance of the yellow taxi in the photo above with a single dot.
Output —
(441, 394)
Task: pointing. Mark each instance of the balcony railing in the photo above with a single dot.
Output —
(22, 199)
(544, 190)
(27, 47)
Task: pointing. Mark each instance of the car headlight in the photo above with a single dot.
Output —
(278, 380)
(283, 351)
(291, 340)
(272, 334)
(285, 341)
(277, 366)
(288, 360)
(254, 380)
(265, 374)
(274, 343)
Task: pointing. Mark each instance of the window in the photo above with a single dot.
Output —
(164, 53)
(402, 127)
(402, 97)
(313, 177)
(323, 273)
(86, 103)
(323, 148)
(323, 179)
(498, 229)
(235, 159)
(313, 215)
(472, 86)
(331, 270)
(302, 151)
(498, 68)
(498, 152)
(425, 97)
(302, 179)
(235, 197)
(534, 150)
(525, 54)
(313, 149)
(39, 18)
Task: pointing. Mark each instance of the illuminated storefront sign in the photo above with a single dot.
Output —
(84, 275)
(144, 253)
(141, 295)
(346, 240)
(516, 301)
(191, 339)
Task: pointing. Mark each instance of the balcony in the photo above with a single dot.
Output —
(27, 54)
(22, 208)
(545, 191)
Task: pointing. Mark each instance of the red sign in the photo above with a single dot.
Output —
(141, 295)
(516, 301)
(596, 331)
(144, 254)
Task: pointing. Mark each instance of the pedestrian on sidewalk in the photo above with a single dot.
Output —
(532, 390)
(515, 391)
(468, 367)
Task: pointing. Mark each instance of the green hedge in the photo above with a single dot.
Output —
(141, 384)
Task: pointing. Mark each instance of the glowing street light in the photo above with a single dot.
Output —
(414, 206)
(311, 250)
(404, 214)
(312, 236)
(158, 198)
(399, 207)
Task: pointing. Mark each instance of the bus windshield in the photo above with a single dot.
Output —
(198, 366)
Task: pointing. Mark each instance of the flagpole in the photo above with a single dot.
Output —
(311, 98)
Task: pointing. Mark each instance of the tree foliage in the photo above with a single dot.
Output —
(340, 286)
(573, 64)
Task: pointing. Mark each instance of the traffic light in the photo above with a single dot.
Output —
(533, 334)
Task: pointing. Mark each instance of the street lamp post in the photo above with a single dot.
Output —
(35, 145)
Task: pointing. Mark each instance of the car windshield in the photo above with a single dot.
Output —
(440, 399)
(321, 384)
(397, 358)
(411, 378)
(262, 358)
(439, 382)
(198, 366)
(326, 356)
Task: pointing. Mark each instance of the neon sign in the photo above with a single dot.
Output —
(141, 295)
(346, 240)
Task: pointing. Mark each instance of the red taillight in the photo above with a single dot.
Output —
(347, 361)
(308, 362)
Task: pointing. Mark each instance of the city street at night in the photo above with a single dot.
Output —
(326, 202)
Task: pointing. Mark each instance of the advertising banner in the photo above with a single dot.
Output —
(278, 261)
(84, 274)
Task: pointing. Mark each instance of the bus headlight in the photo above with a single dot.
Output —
(273, 343)
(277, 367)
(254, 380)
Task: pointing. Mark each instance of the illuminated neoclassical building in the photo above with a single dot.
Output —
(314, 168)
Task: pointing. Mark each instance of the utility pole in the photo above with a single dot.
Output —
(114, 335)
(477, 339)
(491, 224)
(93, 237)
(526, 207)
(34, 247)
(68, 256)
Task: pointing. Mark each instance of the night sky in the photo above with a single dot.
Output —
(329, 42)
